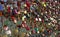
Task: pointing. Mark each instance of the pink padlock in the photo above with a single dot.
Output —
(16, 11)
(24, 24)
(15, 21)
(5, 27)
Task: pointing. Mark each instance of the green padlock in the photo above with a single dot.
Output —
(36, 29)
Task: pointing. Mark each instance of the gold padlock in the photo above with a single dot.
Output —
(4, 36)
(22, 34)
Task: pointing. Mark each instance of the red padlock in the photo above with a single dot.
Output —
(42, 20)
(35, 20)
(12, 17)
(19, 26)
(18, 4)
(28, 5)
(33, 31)
(8, 9)
(24, 24)
(27, 28)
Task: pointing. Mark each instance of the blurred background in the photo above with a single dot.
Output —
(29, 18)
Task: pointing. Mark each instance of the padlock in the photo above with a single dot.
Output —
(33, 32)
(5, 27)
(1, 13)
(36, 30)
(15, 21)
(8, 10)
(27, 28)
